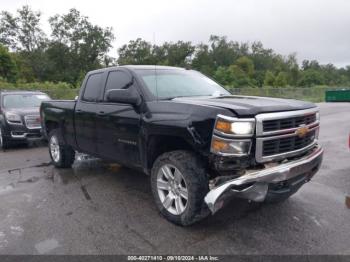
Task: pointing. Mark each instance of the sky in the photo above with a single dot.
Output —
(313, 29)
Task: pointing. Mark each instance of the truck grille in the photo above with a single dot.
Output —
(32, 121)
(293, 122)
(285, 134)
(287, 144)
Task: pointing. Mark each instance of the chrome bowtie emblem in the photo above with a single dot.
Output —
(302, 131)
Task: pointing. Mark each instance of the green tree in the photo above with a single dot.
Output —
(269, 79)
(311, 77)
(239, 76)
(222, 76)
(263, 60)
(281, 80)
(137, 52)
(223, 52)
(346, 74)
(64, 67)
(77, 45)
(25, 70)
(246, 65)
(142, 52)
(177, 54)
(291, 69)
(8, 68)
(313, 64)
(202, 60)
(332, 76)
(22, 31)
(233, 76)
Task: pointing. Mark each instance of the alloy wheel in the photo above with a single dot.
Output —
(172, 189)
(54, 149)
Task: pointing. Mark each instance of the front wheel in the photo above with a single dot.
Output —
(62, 155)
(179, 184)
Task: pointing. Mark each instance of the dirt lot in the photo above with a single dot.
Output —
(96, 208)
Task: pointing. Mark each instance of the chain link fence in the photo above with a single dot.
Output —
(313, 94)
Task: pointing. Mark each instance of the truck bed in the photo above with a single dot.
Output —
(60, 111)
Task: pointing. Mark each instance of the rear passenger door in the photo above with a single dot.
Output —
(85, 114)
(118, 125)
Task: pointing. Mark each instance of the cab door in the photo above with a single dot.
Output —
(118, 124)
(85, 114)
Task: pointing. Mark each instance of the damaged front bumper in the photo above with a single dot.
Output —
(253, 185)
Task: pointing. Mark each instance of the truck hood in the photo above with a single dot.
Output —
(248, 106)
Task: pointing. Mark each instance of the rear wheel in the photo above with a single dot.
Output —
(179, 184)
(62, 155)
(4, 142)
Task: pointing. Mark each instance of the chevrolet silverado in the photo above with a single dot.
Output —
(200, 145)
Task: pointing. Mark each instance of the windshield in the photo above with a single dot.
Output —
(24, 100)
(167, 84)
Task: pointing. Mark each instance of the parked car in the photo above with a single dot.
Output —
(200, 145)
(19, 116)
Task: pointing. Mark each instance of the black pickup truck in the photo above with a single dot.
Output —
(200, 145)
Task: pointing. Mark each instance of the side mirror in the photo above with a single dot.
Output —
(124, 96)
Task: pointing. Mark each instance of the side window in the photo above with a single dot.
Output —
(117, 80)
(92, 88)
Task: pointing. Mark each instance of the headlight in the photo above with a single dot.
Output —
(225, 147)
(318, 116)
(235, 126)
(13, 118)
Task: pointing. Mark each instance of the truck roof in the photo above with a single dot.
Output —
(140, 67)
(152, 67)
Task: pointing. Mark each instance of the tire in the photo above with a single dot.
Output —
(4, 142)
(62, 155)
(187, 174)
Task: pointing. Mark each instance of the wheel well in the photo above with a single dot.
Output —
(50, 125)
(158, 145)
